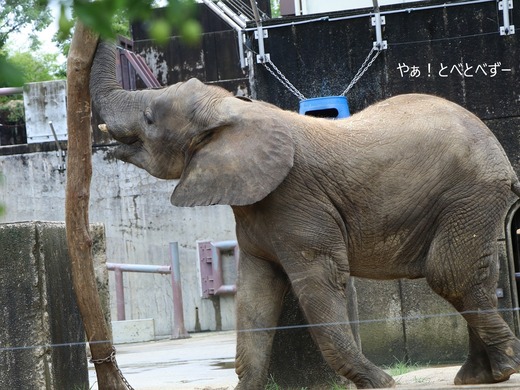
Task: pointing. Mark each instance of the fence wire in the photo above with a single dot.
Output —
(286, 327)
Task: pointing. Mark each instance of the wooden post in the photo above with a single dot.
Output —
(79, 173)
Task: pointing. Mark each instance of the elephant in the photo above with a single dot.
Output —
(411, 187)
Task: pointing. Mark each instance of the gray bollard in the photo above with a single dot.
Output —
(41, 332)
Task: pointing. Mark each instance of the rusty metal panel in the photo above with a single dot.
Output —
(206, 268)
(212, 269)
(138, 65)
(125, 73)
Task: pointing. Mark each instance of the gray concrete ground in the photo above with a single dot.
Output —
(205, 362)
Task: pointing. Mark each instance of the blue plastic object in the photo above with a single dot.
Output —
(334, 107)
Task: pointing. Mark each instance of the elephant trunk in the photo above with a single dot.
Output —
(118, 108)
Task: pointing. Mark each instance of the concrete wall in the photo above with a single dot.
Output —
(41, 333)
(403, 320)
(139, 222)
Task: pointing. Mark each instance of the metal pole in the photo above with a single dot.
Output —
(61, 168)
(220, 12)
(120, 294)
(243, 60)
(178, 328)
(11, 91)
(262, 57)
(377, 22)
(144, 268)
(505, 12)
(232, 15)
(507, 28)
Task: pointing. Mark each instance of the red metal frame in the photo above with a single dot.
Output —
(210, 258)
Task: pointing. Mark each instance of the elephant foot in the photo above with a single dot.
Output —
(505, 359)
(497, 365)
(242, 385)
(476, 370)
(376, 380)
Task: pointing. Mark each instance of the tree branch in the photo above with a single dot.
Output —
(79, 173)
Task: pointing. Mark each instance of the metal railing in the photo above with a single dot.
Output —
(178, 328)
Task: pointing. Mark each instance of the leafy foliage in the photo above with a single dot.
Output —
(10, 75)
(63, 37)
(11, 110)
(14, 15)
(38, 67)
(106, 17)
(100, 17)
(275, 8)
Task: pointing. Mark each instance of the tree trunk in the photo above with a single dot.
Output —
(79, 172)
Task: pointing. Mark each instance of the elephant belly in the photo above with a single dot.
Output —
(393, 257)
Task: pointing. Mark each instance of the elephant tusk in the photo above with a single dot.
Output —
(103, 127)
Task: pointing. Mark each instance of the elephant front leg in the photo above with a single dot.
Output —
(260, 292)
(325, 306)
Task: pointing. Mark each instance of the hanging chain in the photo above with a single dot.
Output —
(362, 69)
(112, 359)
(282, 79)
(369, 60)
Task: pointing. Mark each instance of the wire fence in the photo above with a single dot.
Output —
(416, 317)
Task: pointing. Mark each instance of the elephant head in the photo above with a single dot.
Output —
(224, 149)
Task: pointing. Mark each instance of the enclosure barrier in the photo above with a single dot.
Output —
(178, 328)
(211, 268)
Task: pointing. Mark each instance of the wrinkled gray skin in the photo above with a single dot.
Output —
(412, 187)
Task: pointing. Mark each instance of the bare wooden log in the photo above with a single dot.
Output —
(79, 172)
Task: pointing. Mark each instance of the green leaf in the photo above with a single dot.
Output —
(97, 15)
(10, 75)
(191, 31)
(65, 25)
(160, 30)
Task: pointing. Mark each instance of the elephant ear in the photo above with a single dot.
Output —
(237, 164)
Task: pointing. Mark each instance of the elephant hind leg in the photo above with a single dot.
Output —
(477, 368)
(494, 352)
(470, 285)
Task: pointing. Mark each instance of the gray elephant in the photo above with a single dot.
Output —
(411, 187)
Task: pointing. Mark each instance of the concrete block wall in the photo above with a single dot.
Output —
(404, 320)
(41, 333)
(139, 222)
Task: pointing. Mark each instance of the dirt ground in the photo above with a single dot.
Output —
(433, 378)
(441, 378)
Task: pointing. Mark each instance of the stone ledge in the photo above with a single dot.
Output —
(133, 331)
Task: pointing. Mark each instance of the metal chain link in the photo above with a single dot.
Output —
(112, 359)
(282, 79)
(362, 70)
(369, 60)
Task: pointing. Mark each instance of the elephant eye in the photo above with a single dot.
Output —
(148, 117)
